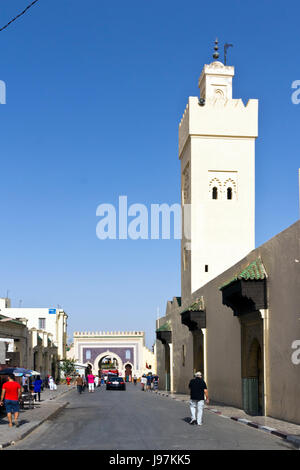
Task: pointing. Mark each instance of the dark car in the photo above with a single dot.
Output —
(115, 383)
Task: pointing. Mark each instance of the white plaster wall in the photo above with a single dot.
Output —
(222, 231)
(55, 323)
(218, 137)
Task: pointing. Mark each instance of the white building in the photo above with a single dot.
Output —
(44, 322)
(125, 350)
(217, 152)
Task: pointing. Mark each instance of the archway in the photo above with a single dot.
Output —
(108, 361)
(255, 371)
(128, 372)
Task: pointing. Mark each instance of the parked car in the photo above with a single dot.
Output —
(115, 383)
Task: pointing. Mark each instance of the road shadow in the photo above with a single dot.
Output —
(187, 420)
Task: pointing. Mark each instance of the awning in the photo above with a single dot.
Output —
(194, 316)
(246, 292)
(164, 333)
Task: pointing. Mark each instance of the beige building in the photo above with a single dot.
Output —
(47, 321)
(14, 342)
(126, 351)
(29, 348)
(237, 319)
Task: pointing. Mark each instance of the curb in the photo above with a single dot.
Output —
(36, 425)
(290, 438)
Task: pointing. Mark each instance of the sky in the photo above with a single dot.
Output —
(94, 95)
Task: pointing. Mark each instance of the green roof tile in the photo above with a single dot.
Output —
(254, 271)
(197, 306)
(165, 327)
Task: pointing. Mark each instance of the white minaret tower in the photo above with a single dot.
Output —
(217, 152)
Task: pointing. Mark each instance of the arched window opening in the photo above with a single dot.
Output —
(215, 193)
(229, 193)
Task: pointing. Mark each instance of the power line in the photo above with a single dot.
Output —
(18, 16)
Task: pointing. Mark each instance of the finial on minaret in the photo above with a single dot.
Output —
(216, 48)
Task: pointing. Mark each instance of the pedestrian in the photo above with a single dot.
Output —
(143, 382)
(68, 379)
(155, 382)
(51, 383)
(198, 390)
(84, 382)
(79, 383)
(149, 380)
(37, 386)
(11, 391)
(25, 383)
(134, 379)
(96, 381)
(91, 382)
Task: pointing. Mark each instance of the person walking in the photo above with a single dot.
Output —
(84, 385)
(96, 381)
(11, 391)
(51, 383)
(144, 383)
(149, 380)
(155, 382)
(91, 382)
(198, 390)
(79, 384)
(134, 379)
(37, 386)
(25, 383)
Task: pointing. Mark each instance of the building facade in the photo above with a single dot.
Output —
(50, 321)
(14, 343)
(29, 348)
(237, 319)
(124, 351)
(217, 154)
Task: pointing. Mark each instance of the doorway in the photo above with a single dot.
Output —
(198, 360)
(252, 364)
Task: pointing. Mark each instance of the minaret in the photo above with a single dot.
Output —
(217, 151)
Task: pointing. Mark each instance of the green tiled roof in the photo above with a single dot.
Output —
(254, 271)
(165, 327)
(12, 320)
(197, 306)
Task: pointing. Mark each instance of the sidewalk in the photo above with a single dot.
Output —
(283, 429)
(52, 402)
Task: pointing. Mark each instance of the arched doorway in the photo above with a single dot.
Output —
(255, 373)
(128, 372)
(108, 361)
(252, 363)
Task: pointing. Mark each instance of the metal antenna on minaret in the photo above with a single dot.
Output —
(216, 48)
(225, 51)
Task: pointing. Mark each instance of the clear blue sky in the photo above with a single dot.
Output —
(95, 92)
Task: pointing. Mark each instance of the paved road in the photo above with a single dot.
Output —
(136, 420)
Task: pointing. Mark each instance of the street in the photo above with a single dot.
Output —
(136, 420)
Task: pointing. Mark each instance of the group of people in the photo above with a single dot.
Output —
(89, 381)
(149, 382)
(29, 383)
(11, 395)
